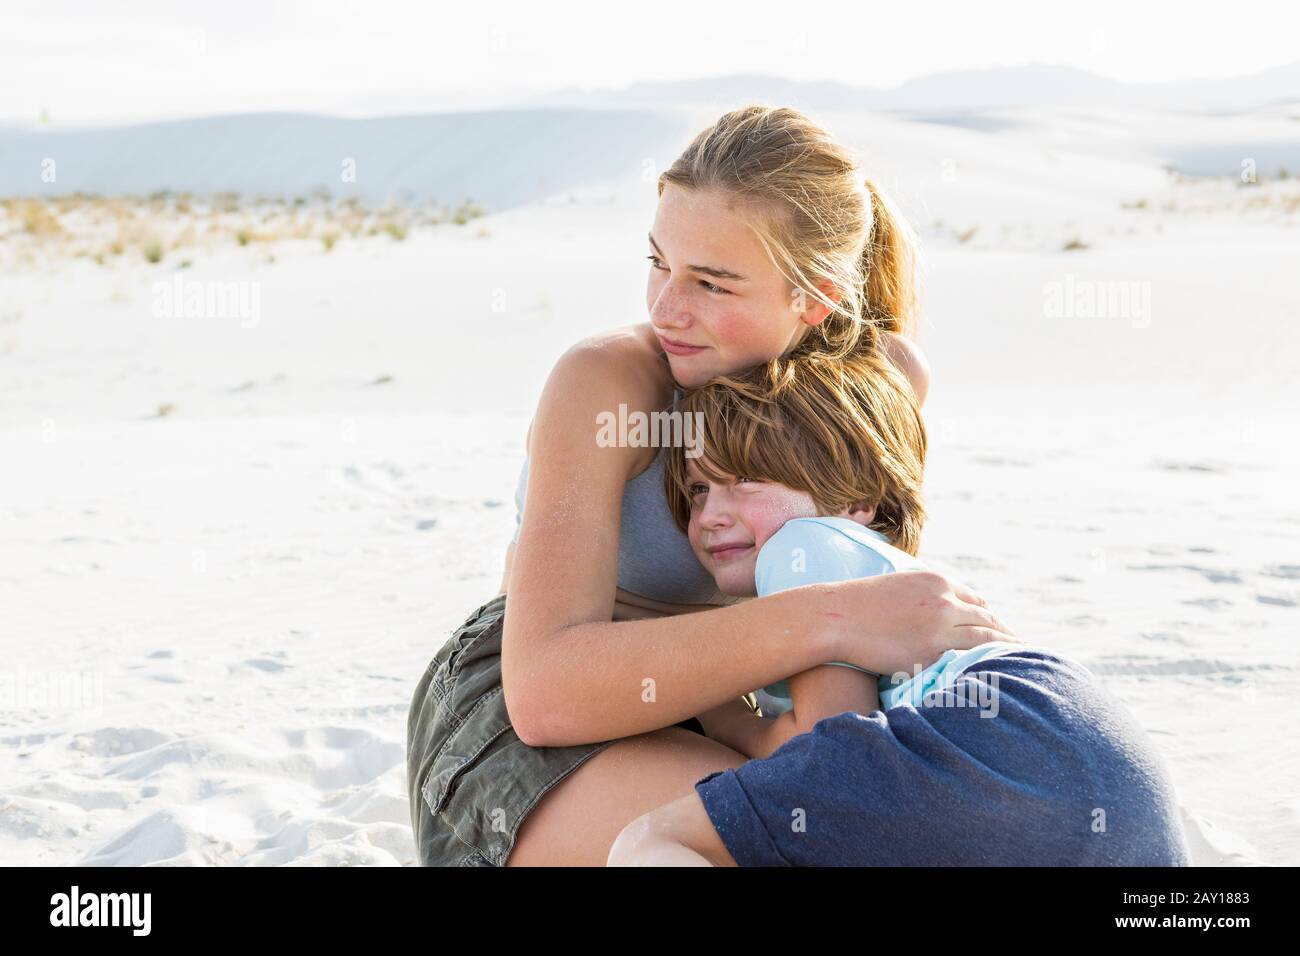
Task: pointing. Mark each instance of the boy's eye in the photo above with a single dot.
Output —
(696, 490)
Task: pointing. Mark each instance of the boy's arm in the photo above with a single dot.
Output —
(816, 694)
(679, 833)
(825, 691)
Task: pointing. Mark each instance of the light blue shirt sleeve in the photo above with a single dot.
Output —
(826, 549)
(818, 551)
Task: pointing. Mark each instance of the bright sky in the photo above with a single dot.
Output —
(107, 60)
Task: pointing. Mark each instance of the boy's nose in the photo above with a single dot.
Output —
(715, 514)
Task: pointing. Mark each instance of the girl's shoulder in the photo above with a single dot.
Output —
(910, 360)
(820, 550)
(629, 355)
(615, 372)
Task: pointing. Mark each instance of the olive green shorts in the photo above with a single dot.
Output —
(470, 779)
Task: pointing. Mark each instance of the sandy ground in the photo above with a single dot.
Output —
(231, 542)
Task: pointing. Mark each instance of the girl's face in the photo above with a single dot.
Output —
(716, 301)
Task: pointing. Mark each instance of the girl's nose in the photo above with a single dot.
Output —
(670, 309)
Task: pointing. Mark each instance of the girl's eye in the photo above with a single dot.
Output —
(739, 480)
(656, 263)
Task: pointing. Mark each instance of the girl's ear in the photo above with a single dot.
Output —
(812, 311)
(863, 512)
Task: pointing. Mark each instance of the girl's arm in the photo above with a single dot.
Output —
(572, 675)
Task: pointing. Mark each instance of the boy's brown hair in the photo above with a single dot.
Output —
(844, 430)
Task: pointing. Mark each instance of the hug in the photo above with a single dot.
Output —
(736, 657)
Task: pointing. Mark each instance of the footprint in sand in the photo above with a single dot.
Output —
(267, 665)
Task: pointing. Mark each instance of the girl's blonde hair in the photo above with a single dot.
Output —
(844, 430)
(818, 217)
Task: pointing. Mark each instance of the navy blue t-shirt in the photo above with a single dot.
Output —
(1024, 760)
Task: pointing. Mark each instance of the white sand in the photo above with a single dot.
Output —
(212, 620)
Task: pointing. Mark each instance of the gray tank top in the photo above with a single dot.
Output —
(655, 559)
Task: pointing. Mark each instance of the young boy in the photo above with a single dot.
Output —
(812, 473)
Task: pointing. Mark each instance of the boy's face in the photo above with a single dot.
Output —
(732, 519)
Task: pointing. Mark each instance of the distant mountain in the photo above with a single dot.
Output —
(499, 158)
(1023, 86)
(1280, 84)
(719, 91)
(1035, 85)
